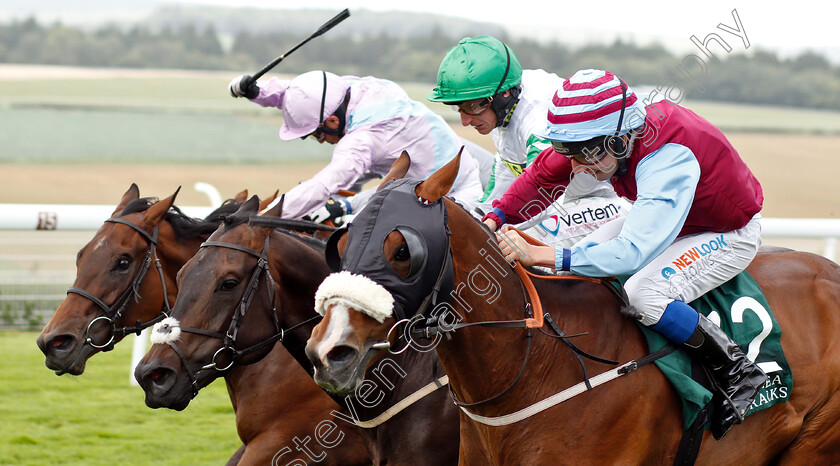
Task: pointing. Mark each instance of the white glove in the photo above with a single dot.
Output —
(244, 86)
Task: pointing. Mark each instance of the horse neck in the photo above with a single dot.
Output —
(483, 278)
(297, 269)
(488, 289)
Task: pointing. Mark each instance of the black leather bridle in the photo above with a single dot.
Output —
(114, 312)
(228, 338)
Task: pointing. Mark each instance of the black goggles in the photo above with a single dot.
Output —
(587, 152)
(321, 133)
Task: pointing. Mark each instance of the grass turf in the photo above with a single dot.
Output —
(98, 418)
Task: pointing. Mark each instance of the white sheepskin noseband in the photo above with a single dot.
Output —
(356, 291)
(167, 330)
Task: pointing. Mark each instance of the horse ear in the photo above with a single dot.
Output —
(158, 210)
(275, 210)
(440, 182)
(267, 201)
(398, 169)
(241, 196)
(251, 205)
(132, 194)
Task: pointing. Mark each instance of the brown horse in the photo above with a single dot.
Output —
(634, 419)
(111, 263)
(219, 283)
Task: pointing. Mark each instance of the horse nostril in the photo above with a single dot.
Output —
(159, 376)
(341, 354)
(57, 344)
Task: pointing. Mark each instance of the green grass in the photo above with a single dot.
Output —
(155, 120)
(98, 418)
(192, 119)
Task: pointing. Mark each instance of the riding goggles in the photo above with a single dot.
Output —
(320, 134)
(587, 152)
(473, 107)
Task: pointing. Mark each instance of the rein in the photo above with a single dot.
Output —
(287, 223)
(537, 322)
(535, 319)
(114, 312)
(228, 338)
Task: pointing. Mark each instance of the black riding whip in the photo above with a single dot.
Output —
(326, 27)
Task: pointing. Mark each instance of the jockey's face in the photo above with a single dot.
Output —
(478, 114)
(483, 122)
(331, 122)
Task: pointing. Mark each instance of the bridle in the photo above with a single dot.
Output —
(114, 312)
(228, 338)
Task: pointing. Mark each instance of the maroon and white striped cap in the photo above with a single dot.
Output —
(589, 105)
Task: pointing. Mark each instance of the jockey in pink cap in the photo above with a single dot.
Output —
(689, 187)
(370, 121)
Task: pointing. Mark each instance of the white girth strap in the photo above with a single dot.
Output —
(404, 403)
(550, 401)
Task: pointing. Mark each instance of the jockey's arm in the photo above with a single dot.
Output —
(350, 160)
(666, 181)
(534, 190)
(271, 93)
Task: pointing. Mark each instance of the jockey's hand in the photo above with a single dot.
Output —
(491, 224)
(515, 248)
(243, 86)
(331, 211)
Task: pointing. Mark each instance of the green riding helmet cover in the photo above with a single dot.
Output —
(475, 68)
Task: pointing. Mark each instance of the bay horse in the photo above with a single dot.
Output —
(220, 298)
(112, 261)
(497, 369)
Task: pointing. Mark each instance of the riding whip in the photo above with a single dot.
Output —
(326, 27)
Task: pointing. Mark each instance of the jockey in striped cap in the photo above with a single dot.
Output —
(691, 192)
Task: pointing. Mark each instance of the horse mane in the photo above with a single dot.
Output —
(314, 243)
(184, 226)
(238, 218)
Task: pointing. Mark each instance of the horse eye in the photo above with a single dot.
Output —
(402, 253)
(228, 285)
(122, 263)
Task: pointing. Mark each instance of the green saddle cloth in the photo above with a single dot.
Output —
(741, 310)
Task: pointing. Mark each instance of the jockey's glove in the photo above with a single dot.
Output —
(331, 211)
(244, 86)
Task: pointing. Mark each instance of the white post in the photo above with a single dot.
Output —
(830, 248)
(137, 354)
(210, 191)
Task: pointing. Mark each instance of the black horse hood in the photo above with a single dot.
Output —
(423, 224)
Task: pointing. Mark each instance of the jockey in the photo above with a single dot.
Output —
(370, 121)
(484, 82)
(690, 188)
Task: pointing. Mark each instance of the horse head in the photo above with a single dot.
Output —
(114, 271)
(230, 304)
(394, 269)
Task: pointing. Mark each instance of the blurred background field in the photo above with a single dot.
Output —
(74, 135)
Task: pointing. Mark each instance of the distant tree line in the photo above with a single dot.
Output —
(807, 80)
